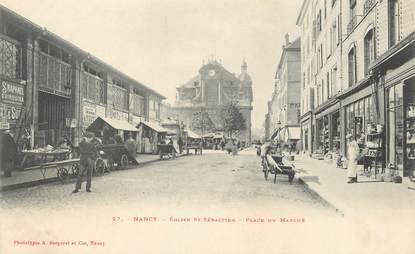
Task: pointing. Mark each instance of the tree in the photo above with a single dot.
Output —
(202, 121)
(232, 118)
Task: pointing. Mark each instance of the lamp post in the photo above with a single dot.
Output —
(278, 127)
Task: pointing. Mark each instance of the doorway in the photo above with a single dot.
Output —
(53, 111)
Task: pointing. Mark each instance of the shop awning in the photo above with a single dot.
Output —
(218, 136)
(209, 135)
(191, 134)
(98, 124)
(292, 133)
(287, 133)
(155, 127)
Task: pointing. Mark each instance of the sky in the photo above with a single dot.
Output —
(164, 43)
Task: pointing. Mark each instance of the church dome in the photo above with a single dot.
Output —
(244, 77)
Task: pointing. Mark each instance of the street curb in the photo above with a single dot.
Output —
(315, 193)
(28, 184)
(56, 179)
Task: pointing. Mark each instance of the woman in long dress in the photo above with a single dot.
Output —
(352, 156)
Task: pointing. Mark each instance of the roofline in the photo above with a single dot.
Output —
(304, 6)
(81, 52)
(284, 52)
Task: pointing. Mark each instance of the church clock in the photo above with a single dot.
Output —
(212, 73)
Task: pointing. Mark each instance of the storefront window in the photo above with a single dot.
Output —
(323, 140)
(395, 126)
(410, 128)
(350, 119)
(358, 116)
(335, 132)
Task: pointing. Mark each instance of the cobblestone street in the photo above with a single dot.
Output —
(212, 179)
(163, 199)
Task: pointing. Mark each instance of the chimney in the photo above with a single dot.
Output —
(287, 39)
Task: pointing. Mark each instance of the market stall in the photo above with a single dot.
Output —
(113, 132)
(192, 141)
(150, 135)
(110, 128)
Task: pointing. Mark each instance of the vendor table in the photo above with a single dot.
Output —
(57, 155)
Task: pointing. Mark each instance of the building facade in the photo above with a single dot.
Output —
(53, 88)
(284, 106)
(211, 88)
(350, 45)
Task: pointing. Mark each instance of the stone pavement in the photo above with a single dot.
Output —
(32, 177)
(366, 196)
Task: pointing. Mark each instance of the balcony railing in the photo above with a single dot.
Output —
(10, 58)
(368, 6)
(138, 104)
(352, 24)
(93, 88)
(54, 74)
(119, 97)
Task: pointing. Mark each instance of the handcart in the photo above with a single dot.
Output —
(273, 164)
(66, 169)
(166, 149)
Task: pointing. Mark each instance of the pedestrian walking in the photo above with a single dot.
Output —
(8, 152)
(229, 146)
(180, 143)
(88, 152)
(222, 144)
(235, 148)
(131, 146)
(353, 152)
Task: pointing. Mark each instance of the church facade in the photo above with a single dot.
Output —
(212, 87)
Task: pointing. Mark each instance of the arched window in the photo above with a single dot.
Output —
(352, 65)
(369, 49)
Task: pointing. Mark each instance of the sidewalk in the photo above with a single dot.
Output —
(330, 183)
(33, 177)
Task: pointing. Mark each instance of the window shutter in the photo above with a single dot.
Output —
(338, 37)
(350, 68)
(367, 53)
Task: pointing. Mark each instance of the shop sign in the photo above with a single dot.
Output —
(4, 126)
(100, 110)
(89, 113)
(137, 120)
(12, 93)
(71, 122)
(9, 112)
(119, 115)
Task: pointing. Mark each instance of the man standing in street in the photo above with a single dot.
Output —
(353, 152)
(180, 143)
(8, 152)
(131, 146)
(88, 152)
